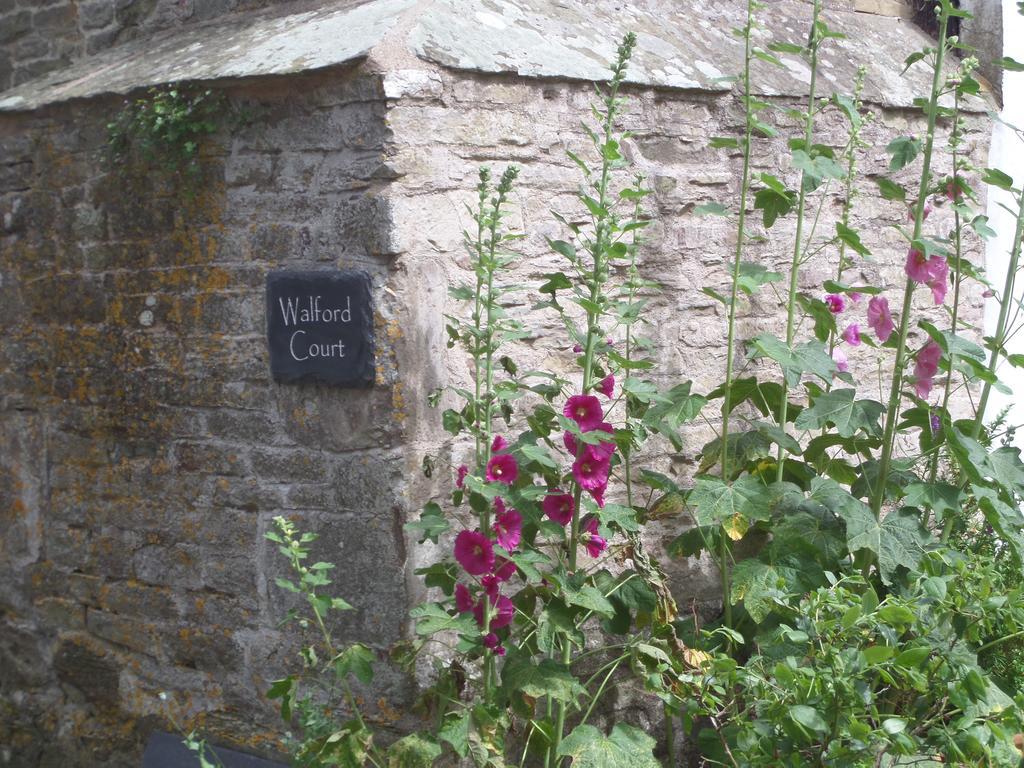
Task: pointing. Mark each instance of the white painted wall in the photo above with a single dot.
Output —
(1007, 154)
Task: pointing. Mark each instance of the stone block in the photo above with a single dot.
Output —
(14, 26)
(97, 14)
(90, 667)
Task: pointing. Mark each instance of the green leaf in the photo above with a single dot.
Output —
(809, 357)
(752, 276)
(1010, 64)
(890, 190)
(625, 747)
(816, 168)
(431, 525)
(413, 751)
(356, 660)
(284, 690)
(432, 618)
(538, 454)
(903, 150)
(724, 142)
(546, 678)
(808, 717)
(902, 542)
(940, 498)
(555, 281)
(756, 583)
(718, 502)
(455, 731)
(774, 199)
(711, 209)
(1006, 520)
(674, 408)
(780, 47)
(839, 408)
(851, 238)
(589, 598)
(876, 654)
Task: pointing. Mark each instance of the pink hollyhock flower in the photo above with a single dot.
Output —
(585, 410)
(939, 281)
(460, 476)
(499, 505)
(880, 319)
(508, 529)
(594, 543)
(491, 641)
(577, 348)
(925, 368)
(597, 494)
(842, 362)
(502, 469)
(502, 611)
(504, 569)
(852, 335)
(988, 293)
(917, 266)
(491, 585)
(474, 552)
(558, 506)
(953, 191)
(607, 386)
(610, 341)
(836, 303)
(605, 446)
(591, 468)
(499, 444)
(855, 296)
(463, 599)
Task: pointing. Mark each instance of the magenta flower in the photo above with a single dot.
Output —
(499, 444)
(558, 506)
(605, 446)
(607, 386)
(491, 585)
(836, 303)
(852, 335)
(474, 552)
(594, 543)
(925, 368)
(463, 599)
(585, 410)
(502, 469)
(460, 476)
(842, 362)
(880, 319)
(504, 569)
(577, 348)
(917, 266)
(502, 611)
(591, 468)
(508, 529)
(935, 423)
(491, 641)
(855, 297)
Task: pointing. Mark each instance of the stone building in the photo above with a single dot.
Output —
(144, 445)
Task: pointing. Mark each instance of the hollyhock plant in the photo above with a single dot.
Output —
(502, 469)
(880, 319)
(852, 335)
(585, 410)
(594, 543)
(558, 506)
(508, 528)
(836, 303)
(474, 552)
(607, 386)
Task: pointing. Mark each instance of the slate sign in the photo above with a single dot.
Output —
(320, 327)
(166, 751)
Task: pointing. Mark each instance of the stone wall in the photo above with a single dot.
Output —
(39, 36)
(145, 447)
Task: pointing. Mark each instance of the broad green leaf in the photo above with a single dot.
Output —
(711, 209)
(455, 731)
(903, 150)
(625, 747)
(413, 751)
(808, 717)
(717, 501)
(432, 618)
(724, 142)
(538, 454)
(839, 408)
(356, 660)
(824, 320)
(808, 357)
(752, 276)
(997, 178)
(890, 190)
(1010, 64)
(1007, 520)
(774, 199)
(284, 690)
(851, 238)
(431, 525)
(940, 498)
(903, 541)
(546, 678)
(590, 598)
(756, 583)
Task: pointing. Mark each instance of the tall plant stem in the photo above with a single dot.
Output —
(889, 432)
(1006, 300)
(741, 220)
(598, 252)
(794, 267)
